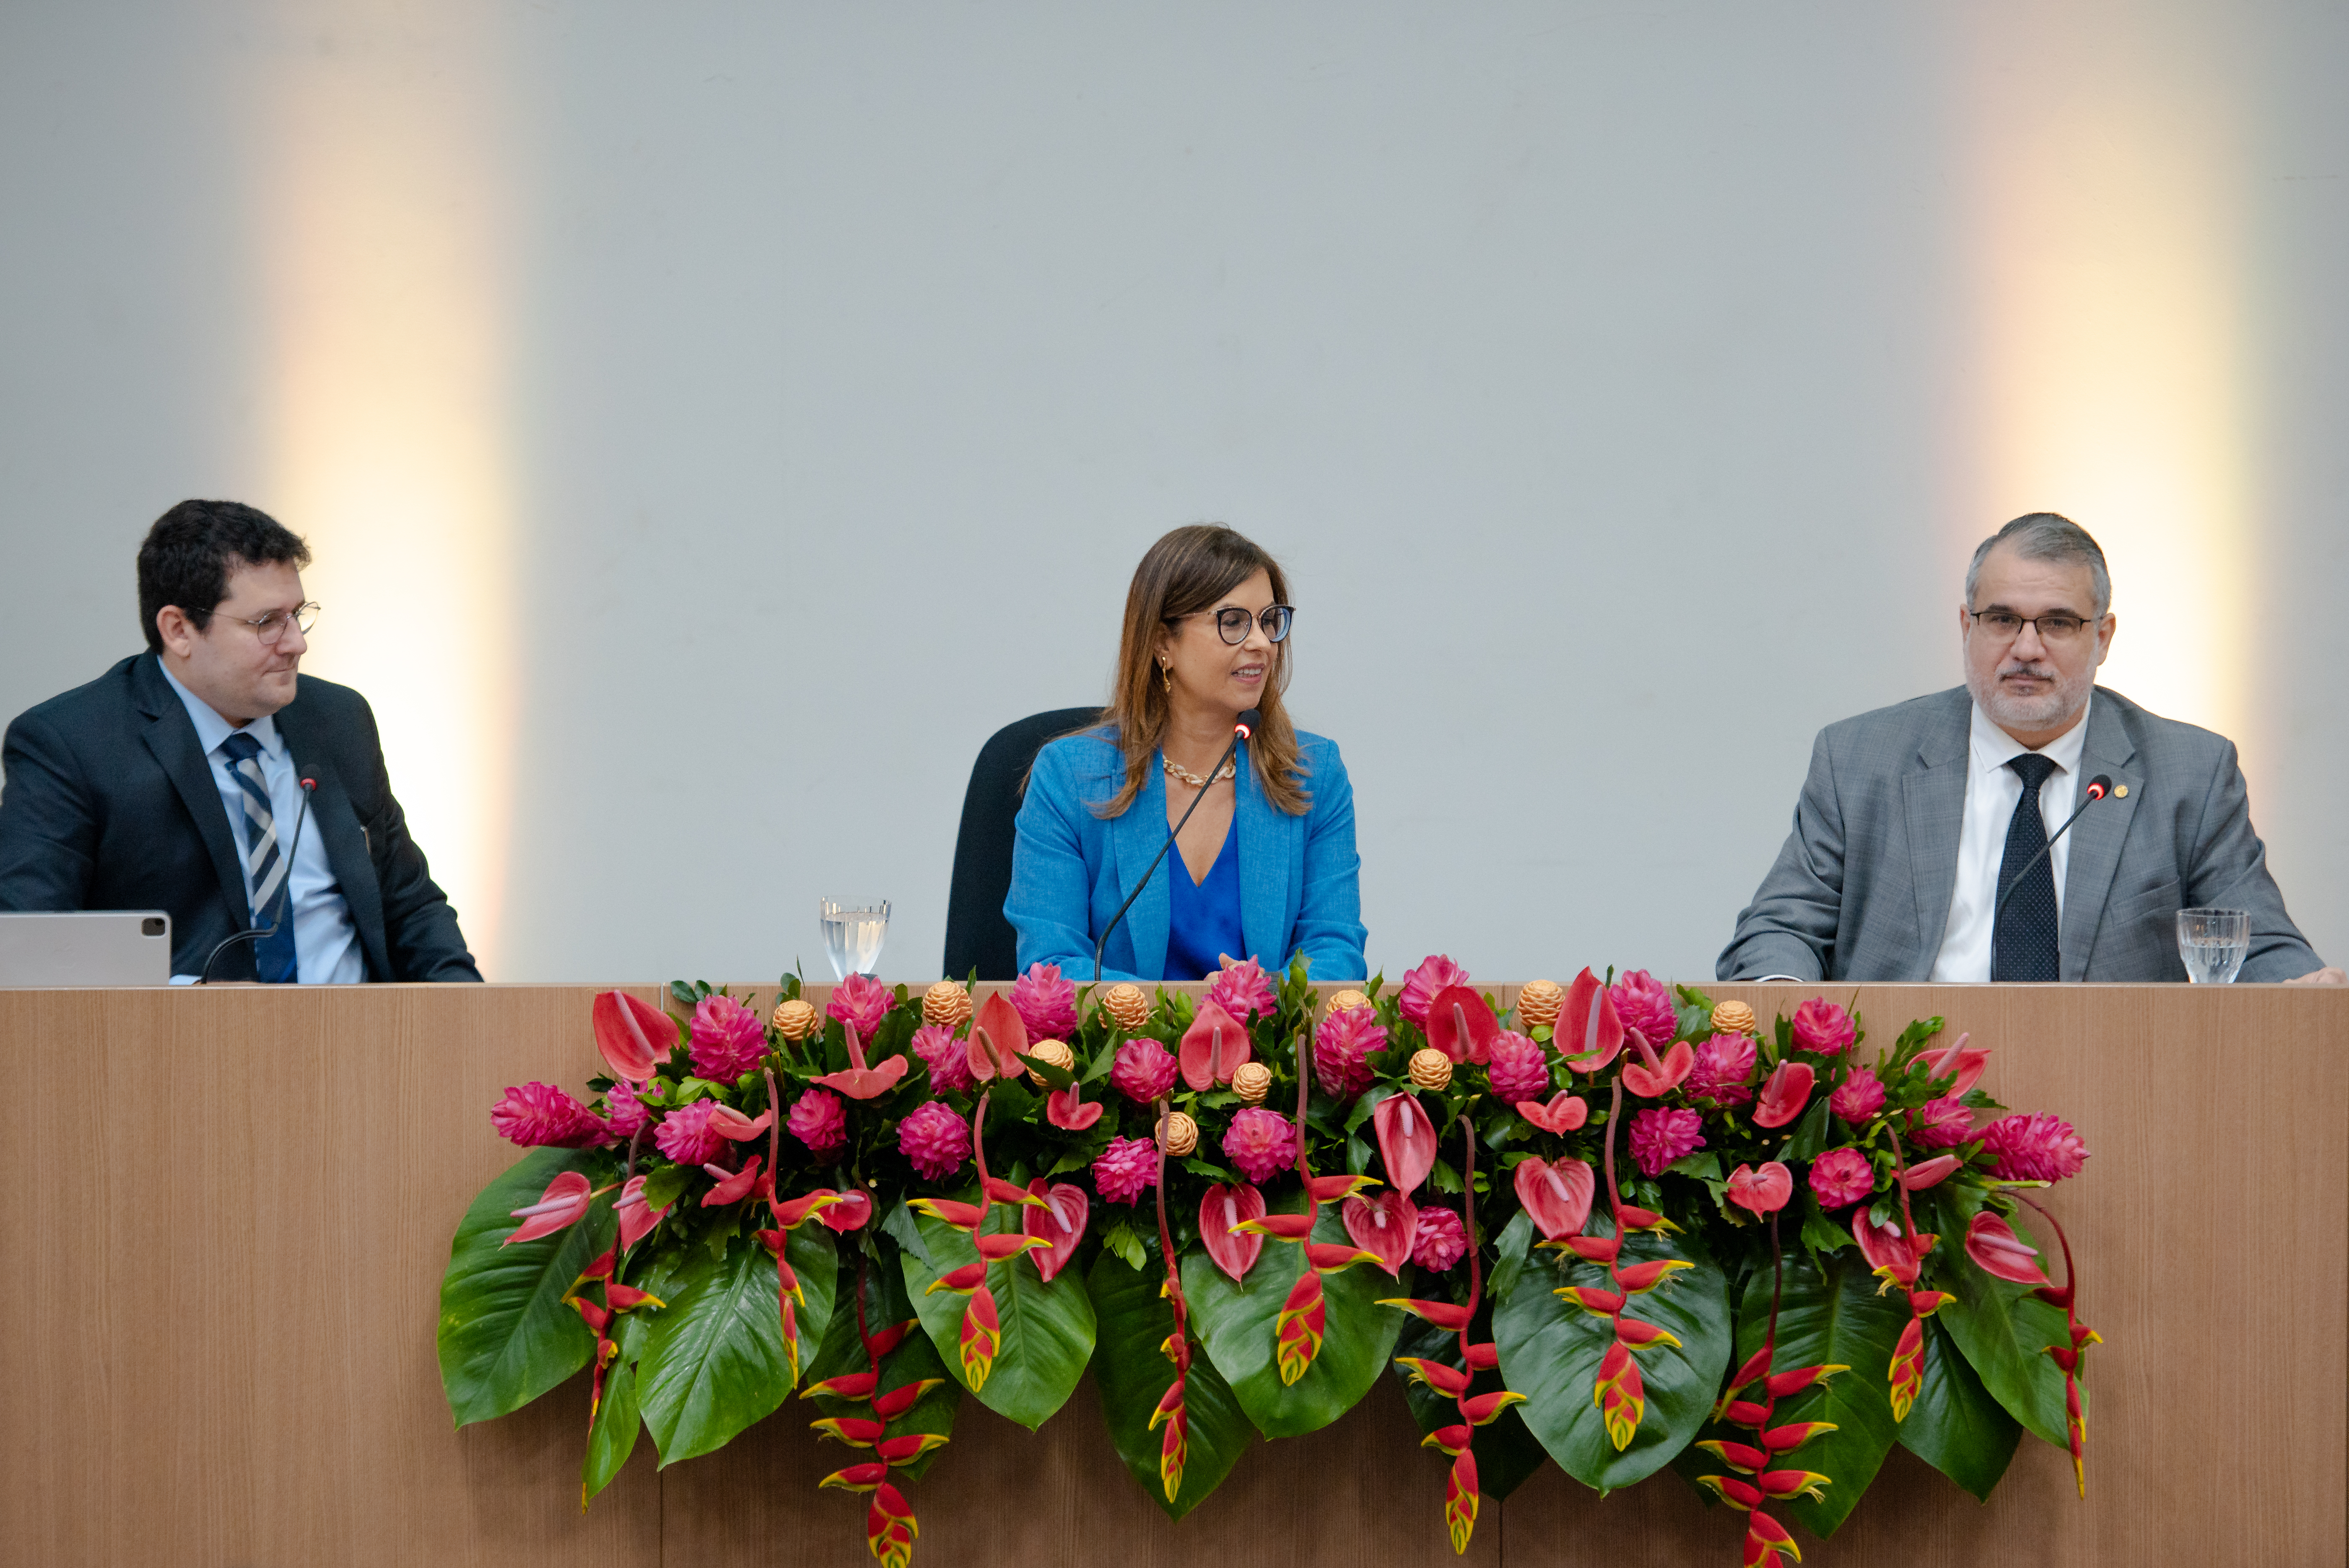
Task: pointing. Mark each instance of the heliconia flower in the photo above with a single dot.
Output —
(1222, 1211)
(1795, 1379)
(633, 1036)
(1735, 1492)
(1589, 1033)
(981, 1338)
(945, 1056)
(1244, 991)
(540, 1115)
(1384, 1224)
(1784, 1094)
(733, 1186)
(1517, 1068)
(727, 1040)
(1298, 1327)
(1452, 1439)
(1660, 1136)
(1459, 1500)
(1841, 1176)
(1940, 1123)
(818, 1120)
(1929, 1173)
(1636, 1334)
(1060, 1222)
(1556, 1193)
(1460, 1026)
(1329, 1257)
(1440, 1240)
(1213, 1048)
(1420, 985)
(1764, 1190)
(1260, 1142)
(733, 1124)
(1343, 1047)
(935, 1139)
(637, 1216)
(560, 1207)
(686, 1136)
(622, 1112)
(1822, 1028)
(961, 1280)
(854, 1430)
(897, 1401)
(1069, 1110)
(1858, 1096)
(1406, 1140)
(1126, 1169)
(2034, 1147)
(1047, 1004)
(1562, 1114)
(1724, 1070)
(1447, 1315)
(1642, 1004)
(1995, 1249)
(853, 1386)
(792, 1214)
(1619, 1395)
(1887, 1250)
(1142, 1071)
(1961, 1061)
(1637, 1279)
(1281, 1227)
(851, 1213)
(861, 1002)
(999, 1038)
(890, 1526)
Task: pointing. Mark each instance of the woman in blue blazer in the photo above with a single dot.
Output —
(1265, 867)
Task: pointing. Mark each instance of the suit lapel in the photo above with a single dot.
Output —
(1264, 869)
(1138, 835)
(336, 823)
(1933, 794)
(171, 736)
(2097, 838)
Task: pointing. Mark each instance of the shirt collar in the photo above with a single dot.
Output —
(1994, 748)
(211, 729)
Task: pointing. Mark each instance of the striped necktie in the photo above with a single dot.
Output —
(265, 867)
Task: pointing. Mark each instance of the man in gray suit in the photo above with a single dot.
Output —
(1917, 818)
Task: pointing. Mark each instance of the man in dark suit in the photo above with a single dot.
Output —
(1916, 819)
(182, 780)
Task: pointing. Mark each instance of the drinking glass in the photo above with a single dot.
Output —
(853, 934)
(2213, 942)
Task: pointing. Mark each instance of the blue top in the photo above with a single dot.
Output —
(1300, 877)
(1205, 923)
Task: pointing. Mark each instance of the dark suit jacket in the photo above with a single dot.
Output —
(1862, 889)
(109, 804)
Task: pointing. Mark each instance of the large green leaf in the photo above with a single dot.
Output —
(1505, 1452)
(1236, 1323)
(612, 1433)
(505, 1335)
(2004, 1330)
(1047, 1329)
(1550, 1351)
(1133, 1374)
(714, 1360)
(915, 1360)
(1955, 1426)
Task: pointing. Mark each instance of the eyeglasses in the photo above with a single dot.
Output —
(271, 627)
(1232, 622)
(2006, 626)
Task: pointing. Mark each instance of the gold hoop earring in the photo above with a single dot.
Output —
(1167, 676)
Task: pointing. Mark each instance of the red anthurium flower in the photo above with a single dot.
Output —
(1067, 1108)
(1654, 1083)
(860, 1081)
(1059, 1221)
(633, 1035)
(1213, 1048)
(1557, 1193)
(1962, 1060)
(1384, 1225)
(1460, 1026)
(1222, 1211)
(1784, 1094)
(1929, 1173)
(1406, 1141)
(637, 1216)
(733, 1186)
(559, 1208)
(727, 1122)
(1588, 1033)
(897, 1401)
(855, 1208)
(1995, 1249)
(1887, 1251)
(1564, 1113)
(1762, 1191)
(998, 1040)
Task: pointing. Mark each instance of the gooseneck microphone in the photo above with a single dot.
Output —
(262, 933)
(2097, 788)
(1242, 728)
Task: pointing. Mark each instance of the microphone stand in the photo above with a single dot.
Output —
(2098, 787)
(1241, 729)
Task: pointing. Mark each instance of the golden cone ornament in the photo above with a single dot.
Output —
(1733, 1018)
(945, 1004)
(1179, 1135)
(1127, 1003)
(1431, 1068)
(1252, 1081)
(1345, 1002)
(797, 1019)
(1537, 1004)
(1055, 1051)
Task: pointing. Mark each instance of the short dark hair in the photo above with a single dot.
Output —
(187, 555)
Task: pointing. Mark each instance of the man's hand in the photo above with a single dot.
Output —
(2328, 975)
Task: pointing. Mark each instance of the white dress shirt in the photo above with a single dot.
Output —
(1992, 791)
(325, 941)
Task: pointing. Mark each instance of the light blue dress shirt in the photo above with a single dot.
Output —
(325, 942)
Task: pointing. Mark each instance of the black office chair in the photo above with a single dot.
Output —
(977, 936)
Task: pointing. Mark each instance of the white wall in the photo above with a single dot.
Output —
(1612, 380)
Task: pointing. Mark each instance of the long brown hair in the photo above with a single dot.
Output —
(1185, 572)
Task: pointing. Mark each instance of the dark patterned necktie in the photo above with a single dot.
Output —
(273, 957)
(2022, 943)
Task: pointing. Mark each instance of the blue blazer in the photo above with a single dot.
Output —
(1301, 880)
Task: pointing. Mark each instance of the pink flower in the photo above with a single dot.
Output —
(1842, 1176)
(2034, 1147)
(1784, 1093)
(948, 1058)
(935, 1139)
(1441, 1241)
(1857, 1098)
(1126, 1169)
(1821, 1026)
(1143, 1071)
(728, 1039)
(622, 1112)
(1518, 1070)
(1244, 991)
(1660, 1136)
(1762, 1191)
(861, 1002)
(1259, 1143)
(1420, 985)
(537, 1115)
(686, 1136)
(1723, 1073)
(1940, 1123)
(1047, 1004)
(819, 1122)
(1642, 1004)
(1343, 1049)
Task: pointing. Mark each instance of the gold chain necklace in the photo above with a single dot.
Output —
(1175, 770)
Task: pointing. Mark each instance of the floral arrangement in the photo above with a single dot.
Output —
(1615, 1226)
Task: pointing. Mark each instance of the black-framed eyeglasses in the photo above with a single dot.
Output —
(271, 627)
(2006, 626)
(1232, 622)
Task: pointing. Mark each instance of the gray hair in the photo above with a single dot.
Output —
(2048, 537)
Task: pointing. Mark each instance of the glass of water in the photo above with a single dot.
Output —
(853, 934)
(2213, 942)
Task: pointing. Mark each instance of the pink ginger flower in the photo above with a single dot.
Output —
(1343, 1049)
(1439, 1241)
(935, 1139)
(728, 1039)
(819, 1121)
(1142, 1071)
(1420, 985)
(1642, 1002)
(686, 1136)
(1842, 1176)
(1244, 991)
(1940, 1123)
(1857, 1098)
(1259, 1143)
(1821, 1026)
(539, 1115)
(622, 1112)
(1724, 1072)
(948, 1058)
(861, 1002)
(1518, 1068)
(1126, 1169)
(1660, 1136)
(1046, 1003)
(2034, 1147)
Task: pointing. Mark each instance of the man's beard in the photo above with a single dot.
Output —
(2011, 713)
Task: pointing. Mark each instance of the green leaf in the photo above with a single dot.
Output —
(1550, 1351)
(1515, 1242)
(1133, 1374)
(898, 1225)
(1832, 1316)
(1047, 1330)
(612, 1435)
(505, 1335)
(714, 1360)
(1955, 1426)
(666, 1185)
(2003, 1332)
(1810, 1133)
(1505, 1452)
(1237, 1323)
(1120, 1242)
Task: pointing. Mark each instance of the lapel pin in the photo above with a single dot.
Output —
(2121, 794)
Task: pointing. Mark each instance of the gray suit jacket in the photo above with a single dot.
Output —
(1862, 889)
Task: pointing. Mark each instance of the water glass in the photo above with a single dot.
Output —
(853, 933)
(2213, 942)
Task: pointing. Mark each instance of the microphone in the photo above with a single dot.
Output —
(2097, 788)
(1243, 727)
(262, 933)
